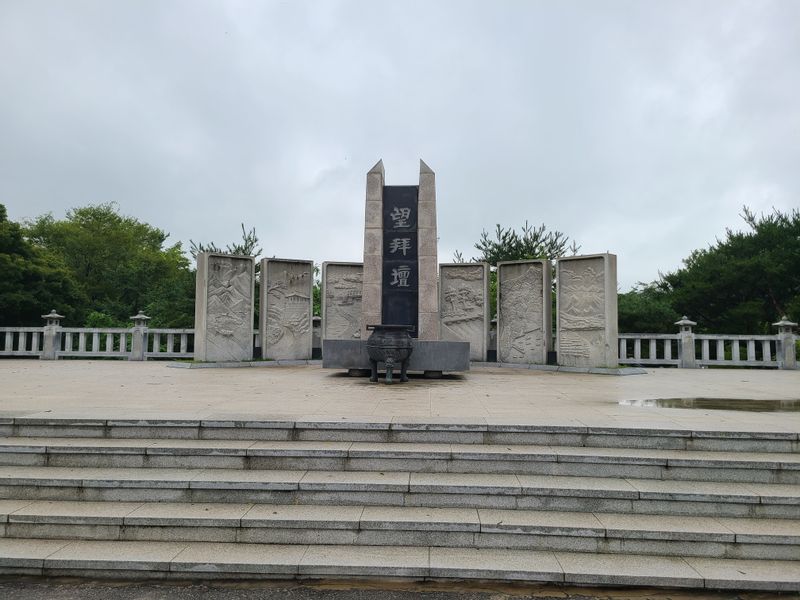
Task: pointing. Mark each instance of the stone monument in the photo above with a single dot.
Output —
(586, 308)
(399, 286)
(464, 305)
(524, 311)
(224, 302)
(341, 300)
(286, 308)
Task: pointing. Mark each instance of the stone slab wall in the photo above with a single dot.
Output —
(286, 308)
(341, 300)
(224, 307)
(524, 313)
(586, 323)
(464, 306)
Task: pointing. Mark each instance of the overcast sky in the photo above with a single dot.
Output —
(639, 128)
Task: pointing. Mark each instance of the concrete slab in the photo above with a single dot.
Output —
(473, 563)
(245, 480)
(94, 513)
(27, 553)
(577, 486)
(303, 516)
(270, 559)
(457, 483)
(419, 518)
(127, 556)
(91, 389)
(665, 527)
(621, 569)
(369, 561)
(168, 514)
(357, 481)
(773, 575)
(764, 531)
(540, 522)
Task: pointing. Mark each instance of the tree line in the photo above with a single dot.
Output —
(99, 267)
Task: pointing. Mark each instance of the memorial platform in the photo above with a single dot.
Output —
(139, 470)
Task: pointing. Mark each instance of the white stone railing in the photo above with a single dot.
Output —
(689, 350)
(651, 349)
(20, 341)
(139, 342)
(684, 349)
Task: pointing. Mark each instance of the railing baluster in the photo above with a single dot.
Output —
(35, 341)
(184, 342)
(720, 349)
(82, 342)
(109, 342)
(653, 355)
(667, 349)
(751, 349)
(9, 343)
(623, 349)
(766, 352)
(156, 343)
(96, 341)
(637, 348)
(735, 354)
(170, 342)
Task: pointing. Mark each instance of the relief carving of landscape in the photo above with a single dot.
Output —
(520, 337)
(463, 312)
(288, 323)
(343, 289)
(230, 320)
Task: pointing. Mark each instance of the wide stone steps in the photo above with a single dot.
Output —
(404, 526)
(505, 491)
(302, 499)
(401, 431)
(423, 458)
(195, 560)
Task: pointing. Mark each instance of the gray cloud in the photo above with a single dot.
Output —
(634, 127)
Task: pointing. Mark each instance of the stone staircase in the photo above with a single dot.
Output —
(240, 499)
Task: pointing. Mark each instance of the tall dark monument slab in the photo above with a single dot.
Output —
(400, 280)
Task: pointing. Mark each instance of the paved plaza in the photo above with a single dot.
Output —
(157, 390)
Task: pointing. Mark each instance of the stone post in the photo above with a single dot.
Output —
(51, 338)
(139, 336)
(686, 354)
(786, 351)
(428, 255)
(371, 295)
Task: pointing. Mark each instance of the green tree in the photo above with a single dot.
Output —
(120, 264)
(529, 243)
(248, 246)
(740, 284)
(32, 283)
(646, 309)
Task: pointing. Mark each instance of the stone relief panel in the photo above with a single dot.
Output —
(583, 312)
(523, 312)
(229, 309)
(341, 304)
(463, 308)
(286, 309)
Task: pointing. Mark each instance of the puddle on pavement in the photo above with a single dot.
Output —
(746, 404)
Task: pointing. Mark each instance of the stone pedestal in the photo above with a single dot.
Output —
(224, 303)
(286, 309)
(524, 311)
(586, 321)
(342, 283)
(464, 306)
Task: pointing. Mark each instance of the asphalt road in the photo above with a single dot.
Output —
(36, 589)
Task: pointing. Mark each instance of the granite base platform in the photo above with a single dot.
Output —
(427, 356)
